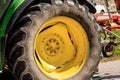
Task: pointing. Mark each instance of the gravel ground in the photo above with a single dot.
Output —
(108, 71)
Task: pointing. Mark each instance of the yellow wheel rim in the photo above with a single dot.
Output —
(61, 47)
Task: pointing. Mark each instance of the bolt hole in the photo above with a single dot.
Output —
(54, 40)
(57, 48)
(54, 51)
(47, 57)
(57, 43)
(51, 52)
(50, 40)
(48, 49)
(47, 44)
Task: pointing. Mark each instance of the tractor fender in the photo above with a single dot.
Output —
(13, 20)
(26, 3)
(10, 24)
(17, 13)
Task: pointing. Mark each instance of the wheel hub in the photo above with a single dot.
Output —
(52, 47)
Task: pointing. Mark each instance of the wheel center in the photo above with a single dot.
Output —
(52, 46)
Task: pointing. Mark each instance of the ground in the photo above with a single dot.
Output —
(108, 71)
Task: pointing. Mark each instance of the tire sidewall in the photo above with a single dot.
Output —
(75, 13)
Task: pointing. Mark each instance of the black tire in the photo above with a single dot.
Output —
(102, 11)
(108, 50)
(21, 39)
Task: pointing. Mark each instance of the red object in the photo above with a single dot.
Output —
(104, 21)
(104, 17)
(117, 2)
(112, 27)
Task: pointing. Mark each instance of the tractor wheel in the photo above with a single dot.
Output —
(57, 40)
(108, 50)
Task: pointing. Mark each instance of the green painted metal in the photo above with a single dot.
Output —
(10, 11)
(0, 57)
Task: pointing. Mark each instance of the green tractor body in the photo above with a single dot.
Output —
(48, 39)
(7, 10)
